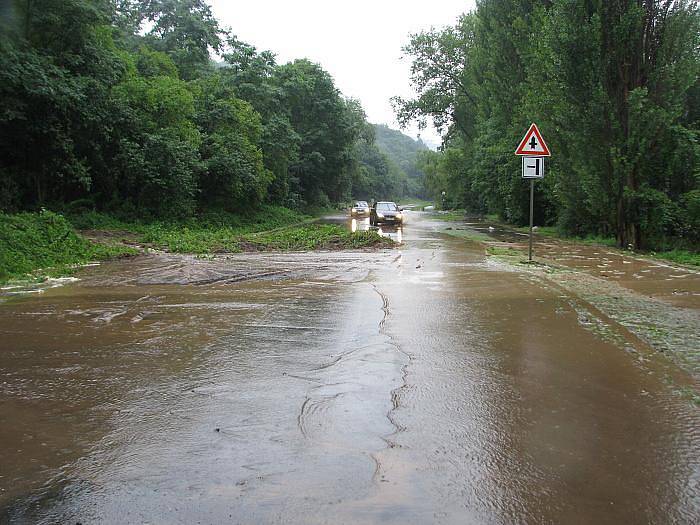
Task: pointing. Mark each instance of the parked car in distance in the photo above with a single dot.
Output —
(385, 212)
(359, 208)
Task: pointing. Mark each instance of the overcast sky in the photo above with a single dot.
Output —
(357, 42)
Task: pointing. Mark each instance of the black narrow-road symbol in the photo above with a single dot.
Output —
(533, 143)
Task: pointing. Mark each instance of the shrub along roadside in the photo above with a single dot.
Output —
(679, 256)
(298, 237)
(269, 228)
(46, 240)
(265, 217)
(314, 237)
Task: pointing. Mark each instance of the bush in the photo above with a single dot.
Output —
(690, 203)
(30, 241)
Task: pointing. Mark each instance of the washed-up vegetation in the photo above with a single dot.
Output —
(267, 233)
(313, 237)
(47, 241)
(47, 244)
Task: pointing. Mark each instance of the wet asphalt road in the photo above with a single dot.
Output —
(425, 384)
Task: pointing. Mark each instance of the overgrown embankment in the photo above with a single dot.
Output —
(49, 242)
(268, 228)
(677, 255)
(46, 240)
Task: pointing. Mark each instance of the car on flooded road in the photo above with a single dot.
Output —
(385, 212)
(360, 208)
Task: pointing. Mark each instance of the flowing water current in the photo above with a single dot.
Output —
(423, 384)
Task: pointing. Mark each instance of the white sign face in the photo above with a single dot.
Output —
(533, 167)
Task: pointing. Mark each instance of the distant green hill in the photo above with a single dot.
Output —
(400, 148)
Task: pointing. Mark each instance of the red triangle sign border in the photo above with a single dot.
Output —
(536, 131)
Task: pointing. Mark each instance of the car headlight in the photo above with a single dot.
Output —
(380, 215)
(354, 209)
(399, 216)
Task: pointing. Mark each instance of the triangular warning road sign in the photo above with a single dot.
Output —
(533, 143)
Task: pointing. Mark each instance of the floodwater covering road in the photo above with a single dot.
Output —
(424, 384)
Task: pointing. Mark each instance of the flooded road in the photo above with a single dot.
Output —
(424, 384)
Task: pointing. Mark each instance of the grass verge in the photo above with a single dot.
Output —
(46, 244)
(313, 237)
(686, 257)
(299, 237)
(499, 251)
(678, 256)
(46, 241)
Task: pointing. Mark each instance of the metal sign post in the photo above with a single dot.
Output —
(533, 168)
(533, 150)
(532, 215)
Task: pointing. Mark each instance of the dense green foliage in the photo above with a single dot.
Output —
(613, 86)
(269, 228)
(314, 236)
(116, 105)
(46, 243)
(402, 152)
(44, 240)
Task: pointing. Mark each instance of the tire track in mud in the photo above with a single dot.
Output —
(395, 393)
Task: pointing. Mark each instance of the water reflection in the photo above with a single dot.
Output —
(394, 233)
(359, 225)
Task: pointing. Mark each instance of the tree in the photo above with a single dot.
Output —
(327, 126)
(184, 29)
(252, 76)
(233, 175)
(57, 62)
(156, 161)
(614, 88)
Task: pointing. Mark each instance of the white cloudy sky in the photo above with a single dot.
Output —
(358, 42)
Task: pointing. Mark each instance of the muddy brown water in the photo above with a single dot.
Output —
(672, 283)
(424, 384)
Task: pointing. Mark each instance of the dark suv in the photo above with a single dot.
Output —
(385, 212)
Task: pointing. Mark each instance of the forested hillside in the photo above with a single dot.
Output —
(404, 152)
(614, 88)
(117, 105)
